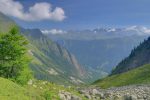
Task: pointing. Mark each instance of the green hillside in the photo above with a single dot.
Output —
(140, 75)
(12, 91)
(36, 90)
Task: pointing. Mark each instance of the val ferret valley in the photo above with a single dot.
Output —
(76, 65)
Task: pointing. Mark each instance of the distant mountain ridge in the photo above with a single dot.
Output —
(98, 33)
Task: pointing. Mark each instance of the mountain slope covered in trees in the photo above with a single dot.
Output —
(138, 57)
(134, 69)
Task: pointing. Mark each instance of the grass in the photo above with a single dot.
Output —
(139, 75)
(38, 90)
(12, 91)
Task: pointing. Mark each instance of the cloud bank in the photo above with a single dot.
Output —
(53, 31)
(140, 29)
(37, 12)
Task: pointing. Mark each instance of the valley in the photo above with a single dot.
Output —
(84, 54)
(100, 50)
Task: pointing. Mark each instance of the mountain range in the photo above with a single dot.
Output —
(78, 56)
(99, 50)
(97, 33)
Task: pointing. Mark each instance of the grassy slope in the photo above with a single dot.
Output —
(39, 90)
(12, 91)
(139, 75)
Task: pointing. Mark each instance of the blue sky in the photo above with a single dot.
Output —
(83, 14)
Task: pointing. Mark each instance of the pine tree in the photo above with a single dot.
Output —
(13, 54)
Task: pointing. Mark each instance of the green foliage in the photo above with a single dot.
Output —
(139, 75)
(24, 76)
(50, 95)
(13, 55)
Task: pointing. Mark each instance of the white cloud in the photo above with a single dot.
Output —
(146, 30)
(37, 12)
(53, 31)
(141, 30)
(131, 28)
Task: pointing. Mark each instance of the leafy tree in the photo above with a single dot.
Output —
(13, 56)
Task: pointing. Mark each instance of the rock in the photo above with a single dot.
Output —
(107, 94)
(134, 92)
(117, 97)
(133, 97)
(45, 82)
(30, 82)
(62, 96)
(139, 97)
(95, 92)
(68, 96)
(127, 97)
(87, 96)
(82, 92)
(73, 97)
(100, 95)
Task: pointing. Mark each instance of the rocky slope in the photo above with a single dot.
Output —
(56, 61)
(134, 92)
